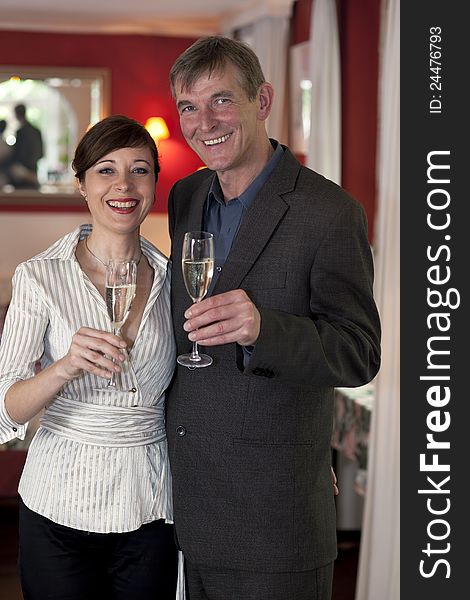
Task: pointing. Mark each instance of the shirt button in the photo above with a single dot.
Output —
(133, 390)
(218, 269)
(15, 429)
(181, 431)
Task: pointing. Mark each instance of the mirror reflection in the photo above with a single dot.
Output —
(43, 114)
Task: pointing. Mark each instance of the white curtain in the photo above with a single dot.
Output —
(324, 145)
(379, 567)
(269, 38)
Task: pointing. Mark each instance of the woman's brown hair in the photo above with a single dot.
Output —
(110, 134)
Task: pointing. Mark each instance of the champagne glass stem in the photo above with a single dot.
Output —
(112, 381)
(194, 353)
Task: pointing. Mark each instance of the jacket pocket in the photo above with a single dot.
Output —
(267, 279)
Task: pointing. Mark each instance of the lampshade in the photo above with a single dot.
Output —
(157, 128)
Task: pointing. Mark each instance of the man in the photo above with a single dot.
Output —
(289, 317)
(5, 154)
(27, 150)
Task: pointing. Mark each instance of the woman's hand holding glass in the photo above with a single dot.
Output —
(100, 352)
(94, 351)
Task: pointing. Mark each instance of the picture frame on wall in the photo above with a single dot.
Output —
(62, 102)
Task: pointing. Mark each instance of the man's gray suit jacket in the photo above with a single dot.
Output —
(250, 447)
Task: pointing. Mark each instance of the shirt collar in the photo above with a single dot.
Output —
(64, 248)
(246, 198)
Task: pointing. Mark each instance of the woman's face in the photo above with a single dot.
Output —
(120, 188)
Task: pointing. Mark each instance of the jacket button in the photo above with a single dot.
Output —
(181, 431)
(133, 390)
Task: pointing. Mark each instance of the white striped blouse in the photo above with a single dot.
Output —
(99, 460)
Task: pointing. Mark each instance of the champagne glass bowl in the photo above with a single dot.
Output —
(120, 289)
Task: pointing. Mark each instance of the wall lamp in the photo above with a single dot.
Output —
(157, 128)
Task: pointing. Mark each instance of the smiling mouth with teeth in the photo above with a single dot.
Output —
(219, 140)
(127, 204)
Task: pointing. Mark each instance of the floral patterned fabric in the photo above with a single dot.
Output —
(353, 411)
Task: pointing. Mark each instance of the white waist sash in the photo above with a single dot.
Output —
(113, 426)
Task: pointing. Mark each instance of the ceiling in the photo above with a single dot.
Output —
(161, 17)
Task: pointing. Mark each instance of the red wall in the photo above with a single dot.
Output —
(139, 67)
(359, 24)
(359, 33)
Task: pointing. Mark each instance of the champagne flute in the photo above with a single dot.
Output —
(120, 288)
(197, 262)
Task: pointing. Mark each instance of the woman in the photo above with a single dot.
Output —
(96, 506)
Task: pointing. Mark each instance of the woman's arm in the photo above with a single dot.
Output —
(91, 350)
(23, 393)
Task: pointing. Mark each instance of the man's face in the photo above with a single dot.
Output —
(218, 120)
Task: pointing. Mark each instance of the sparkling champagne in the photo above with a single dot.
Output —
(119, 301)
(197, 275)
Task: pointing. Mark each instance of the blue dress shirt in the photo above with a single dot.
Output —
(223, 218)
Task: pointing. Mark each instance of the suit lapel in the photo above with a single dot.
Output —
(196, 205)
(258, 225)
